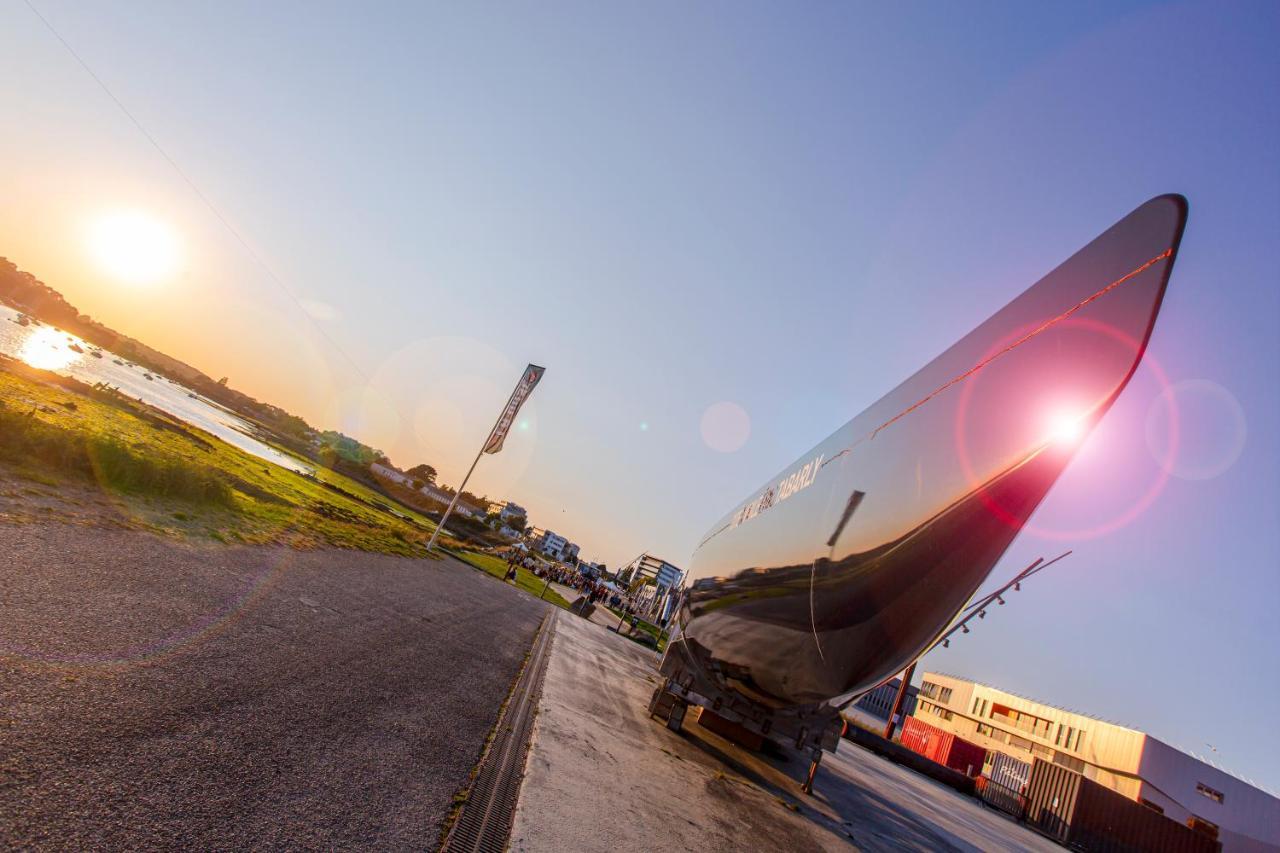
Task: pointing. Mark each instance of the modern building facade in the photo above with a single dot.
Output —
(663, 573)
(551, 544)
(1130, 762)
(654, 600)
(508, 510)
(555, 546)
(879, 702)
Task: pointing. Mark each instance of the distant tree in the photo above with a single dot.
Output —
(222, 381)
(417, 485)
(350, 450)
(423, 472)
(518, 523)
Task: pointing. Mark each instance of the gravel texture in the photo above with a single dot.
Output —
(160, 695)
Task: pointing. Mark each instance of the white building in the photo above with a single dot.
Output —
(656, 600)
(552, 544)
(435, 493)
(394, 474)
(507, 510)
(1130, 762)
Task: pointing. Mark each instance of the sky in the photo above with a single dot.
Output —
(724, 229)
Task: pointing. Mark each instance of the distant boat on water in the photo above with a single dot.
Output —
(75, 348)
(149, 377)
(96, 353)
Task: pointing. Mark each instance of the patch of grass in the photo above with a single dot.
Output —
(29, 441)
(154, 466)
(659, 636)
(525, 579)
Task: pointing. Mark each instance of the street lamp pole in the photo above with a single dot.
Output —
(898, 700)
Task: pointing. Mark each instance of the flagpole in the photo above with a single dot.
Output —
(498, 433)
(431, 546)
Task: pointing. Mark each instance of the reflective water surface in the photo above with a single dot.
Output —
(50, 348)
(848, 564)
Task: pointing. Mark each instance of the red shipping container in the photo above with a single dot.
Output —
(943, 747)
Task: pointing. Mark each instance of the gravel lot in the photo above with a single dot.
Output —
(159, 695)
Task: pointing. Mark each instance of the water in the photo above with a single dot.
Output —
(50, 348)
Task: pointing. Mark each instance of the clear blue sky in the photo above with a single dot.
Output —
(782, 207)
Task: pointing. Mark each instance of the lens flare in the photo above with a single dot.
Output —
(1065, 428)
(725, 427)
(1079, 425)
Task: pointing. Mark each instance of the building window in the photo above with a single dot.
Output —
(1152, 806)
(1073, 740)
(1205, 790)
(936, 710)
(1204, 827)
(976, 700)
(1069, 738)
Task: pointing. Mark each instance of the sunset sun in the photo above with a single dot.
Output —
(134, 247)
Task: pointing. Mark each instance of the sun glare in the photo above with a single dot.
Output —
(1065, 428)
(48, 349)
(134, 247)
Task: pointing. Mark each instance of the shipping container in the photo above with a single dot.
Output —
(943, 747)
(1008, 771)
(998, 796)
(1083, 815)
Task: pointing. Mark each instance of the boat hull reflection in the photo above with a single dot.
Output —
(850, 563)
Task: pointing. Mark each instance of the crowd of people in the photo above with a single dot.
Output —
(594, 590)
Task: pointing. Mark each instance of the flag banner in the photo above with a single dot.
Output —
(532, 374)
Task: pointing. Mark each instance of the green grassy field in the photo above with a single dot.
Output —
(659, 636)
(173, 479)
(497, 567)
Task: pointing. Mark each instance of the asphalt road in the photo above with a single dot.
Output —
(157, 695)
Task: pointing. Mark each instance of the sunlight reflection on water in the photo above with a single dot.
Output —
(49, 348)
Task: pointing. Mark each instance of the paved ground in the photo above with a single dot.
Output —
(161, 695)
(600, 615)
(617, 781)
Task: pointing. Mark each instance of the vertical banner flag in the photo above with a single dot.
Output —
(524, 388)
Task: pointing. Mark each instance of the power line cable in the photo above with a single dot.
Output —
(231, 229)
